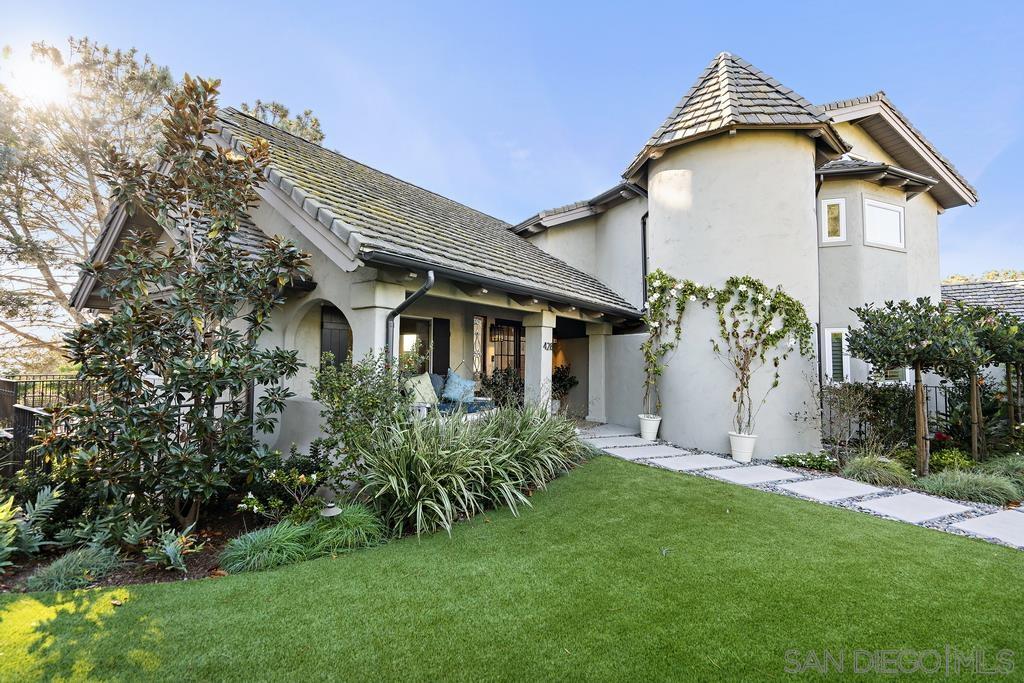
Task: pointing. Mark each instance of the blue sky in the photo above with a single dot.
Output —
(516, 107)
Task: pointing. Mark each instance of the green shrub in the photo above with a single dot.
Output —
(974, 486)
(877, 471)
(1009, 466)
(942, 459)
(169, 548)
(76, 569)
(426, 474)
(273, 546)
(356, 526)
(820, 461)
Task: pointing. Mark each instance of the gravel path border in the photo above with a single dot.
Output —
(940, 524)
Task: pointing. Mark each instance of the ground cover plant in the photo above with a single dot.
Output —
(979, 487)
(877, 471)
(617, 572)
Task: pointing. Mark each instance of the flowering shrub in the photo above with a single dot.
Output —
(758, 326)
(288, 489)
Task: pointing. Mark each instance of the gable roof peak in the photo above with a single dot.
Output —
(732, 93)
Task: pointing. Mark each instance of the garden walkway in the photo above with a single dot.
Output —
(979, 520)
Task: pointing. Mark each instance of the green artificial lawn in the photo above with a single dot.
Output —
(618, 571)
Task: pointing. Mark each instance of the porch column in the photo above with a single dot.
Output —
(597, 337)
(371, 303)
(539, 329)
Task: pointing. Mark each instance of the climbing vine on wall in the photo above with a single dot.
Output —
(758, 327)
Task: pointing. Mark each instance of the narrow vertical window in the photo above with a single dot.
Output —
(833, 220)
(479, 340)
(836, 361)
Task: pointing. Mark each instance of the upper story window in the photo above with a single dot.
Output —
(833, 220)
(883, 224)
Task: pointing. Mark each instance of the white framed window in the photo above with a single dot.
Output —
(836, 356)
(884, 225)
(833, 220)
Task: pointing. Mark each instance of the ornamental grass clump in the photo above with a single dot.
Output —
(978, 487)
(76, 569)
(1009, 466)
(355, 526)
(877, 471)
(425, 475)
(267, 548)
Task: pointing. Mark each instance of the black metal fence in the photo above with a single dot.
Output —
(837, 428)
(27, 401)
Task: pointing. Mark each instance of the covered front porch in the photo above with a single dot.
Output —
(457, 327)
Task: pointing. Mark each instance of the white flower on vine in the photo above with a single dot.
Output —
(711, 295)
(655, 324)
(693, 298)
(654, 297)
(742, 288)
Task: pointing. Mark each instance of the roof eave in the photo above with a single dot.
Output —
(384, 257)
(879, 104)
(827, 134)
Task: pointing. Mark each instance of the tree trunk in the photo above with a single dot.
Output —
(920, 422)
(974, 415)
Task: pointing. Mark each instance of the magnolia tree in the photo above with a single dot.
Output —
(922, 335)
(167, 428)
(759, 328)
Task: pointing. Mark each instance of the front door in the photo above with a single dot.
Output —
(509, 350)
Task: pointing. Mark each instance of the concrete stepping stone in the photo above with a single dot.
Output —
(617, 441)
(758, 474)
(645, 452)
(607, 430)
(1007, 526)
(913, 507)
(828, 489)
(698, 461)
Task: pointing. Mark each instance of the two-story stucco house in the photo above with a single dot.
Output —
(838, 204)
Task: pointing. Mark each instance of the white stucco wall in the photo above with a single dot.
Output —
(853, 273)
(734, 205)
(606, 246)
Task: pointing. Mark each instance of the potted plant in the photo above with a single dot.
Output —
(667, 298)
(562, 382)
(758, 328)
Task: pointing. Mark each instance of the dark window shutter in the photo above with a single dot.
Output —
(442, 356)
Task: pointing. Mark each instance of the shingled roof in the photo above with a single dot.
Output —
(731, 93)
(906, 156)
(392, 219)
(1007, 296)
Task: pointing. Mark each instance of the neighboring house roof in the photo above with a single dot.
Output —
(893, 131)
(1007, 295)
(733, 94)
(389, 220)
(543, 220)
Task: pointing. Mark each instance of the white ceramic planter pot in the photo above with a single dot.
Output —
(649, 425)
(742, 446)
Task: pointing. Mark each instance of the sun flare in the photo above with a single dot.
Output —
(34, 81)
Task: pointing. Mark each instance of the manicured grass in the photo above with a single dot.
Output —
(618, 571)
